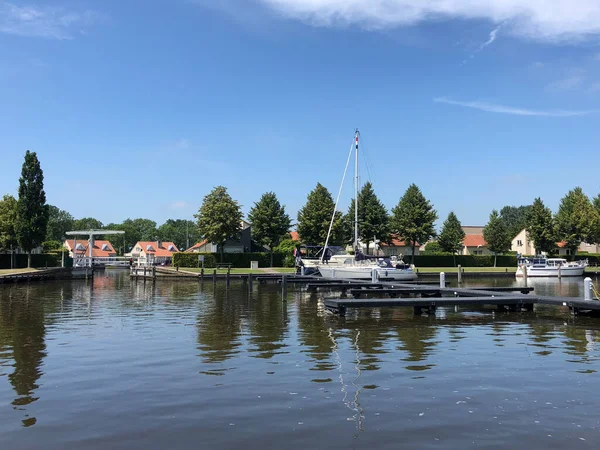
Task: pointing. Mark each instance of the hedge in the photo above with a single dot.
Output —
(37, 261)
(462, 260)
(237, 260)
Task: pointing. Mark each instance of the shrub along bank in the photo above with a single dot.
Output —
(237, 260)
(37, 261)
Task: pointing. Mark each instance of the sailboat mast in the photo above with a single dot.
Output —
(356, 196)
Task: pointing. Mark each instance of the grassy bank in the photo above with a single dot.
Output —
(241, 271)
(15, 271)
(467, 269)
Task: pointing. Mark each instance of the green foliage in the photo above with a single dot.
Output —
(270, 223)
(135, 230)
(219, 217)
(540, 227)
(286, 246)
(422, 261)
(433, 248)
(8, 218)
(496, 235)
(237, 260)
(53, 246)
(452, 236)
(315, 216)
(87, 223)
(180, 232)
(373, 219)
(577, 220)
(59, 222)
(413, 218)
(32, 211)
(37, 261)
(514, 218)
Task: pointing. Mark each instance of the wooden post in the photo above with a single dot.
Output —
(459, 275)
(228, 281)
(202, 275)
(284, 287)
(153, 273)
(214, 276)
(250, 282)
(524, 269)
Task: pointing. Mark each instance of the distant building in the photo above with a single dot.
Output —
(243, 243)
(522, 244)
(397, 247)
(101, 249)
(474, 243)
(156, 252)
(295, 236)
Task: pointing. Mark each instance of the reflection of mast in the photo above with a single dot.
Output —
(352, 405)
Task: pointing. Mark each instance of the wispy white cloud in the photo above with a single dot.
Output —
(544, 20)
(503, 109)
(568, 83)
(42, 21)
(491, 40)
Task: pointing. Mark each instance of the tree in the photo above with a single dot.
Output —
(514, 218)
(452, 236)
(32, 211)
(315, 217)
(577, 220)
(596, 202)
(8, 218)
(135, 230)
(87, 223)
(496, 235)
(270, 223)
(219, 217)
(59, 222)
(373, 219)
(540, 227)
(182, 232)
(413, 218)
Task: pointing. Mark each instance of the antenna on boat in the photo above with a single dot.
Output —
(357, 134)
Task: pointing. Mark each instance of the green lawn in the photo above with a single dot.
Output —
(240, 271)
(15, 271)
(467, 269)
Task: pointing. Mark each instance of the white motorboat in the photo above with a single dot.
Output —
(550, 267)
(359, 266)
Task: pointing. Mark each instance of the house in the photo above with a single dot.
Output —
(474, 243)
(522, 244)
(295, 236)
(243, 243)
(101, 249)
(156, 252)
(397, 247)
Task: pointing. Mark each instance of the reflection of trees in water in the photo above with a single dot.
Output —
(22, 330)
(581, 342)
(268, 323)
(313, 333)
(417, 340)
(219, 325)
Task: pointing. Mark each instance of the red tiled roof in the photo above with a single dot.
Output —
(196, 246)
(562, 244)
(295, 235)
(97, 251)
(161, 251)
(395, 242)
(474, 240)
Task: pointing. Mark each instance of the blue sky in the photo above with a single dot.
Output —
(138, 108)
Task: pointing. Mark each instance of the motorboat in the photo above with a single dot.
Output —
(550, 267)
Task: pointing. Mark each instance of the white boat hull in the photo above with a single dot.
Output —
(365, 273)
(549, 272)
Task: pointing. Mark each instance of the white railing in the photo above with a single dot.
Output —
(86, 261)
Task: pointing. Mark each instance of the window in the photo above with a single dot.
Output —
(149, 248)
(519, 243)
(105, 248)
(172, 248)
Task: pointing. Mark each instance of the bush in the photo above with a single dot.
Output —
(237, 260)
(463, 260)
(191, 260)
(37, 261)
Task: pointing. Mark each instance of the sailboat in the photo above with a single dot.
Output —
(359, 266)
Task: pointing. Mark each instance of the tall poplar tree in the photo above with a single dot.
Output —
(452, 236)
(315, 217)
(373, 218)
(540, 227)
(32, 211)
(413, 218)
(577, 220)
(270, 223)
(219, 217)
(496, 235)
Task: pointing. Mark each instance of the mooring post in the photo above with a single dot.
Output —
(374, 279)
(587, 288)
(153, 273)
(442, 280)
(249, 282)
(202, 275)
(214, 276)
(302, 270)
(284, 287)
(459, 275)
(228, 281)
(559, 272)
(524, 270)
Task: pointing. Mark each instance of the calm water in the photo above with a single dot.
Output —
(112, 364)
